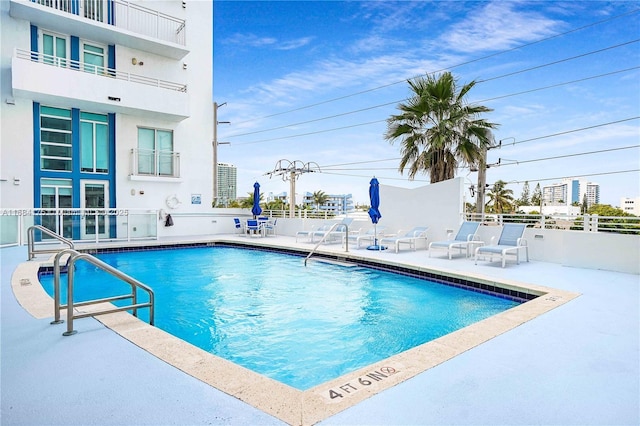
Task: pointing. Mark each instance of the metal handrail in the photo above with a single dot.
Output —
(74, 256)
(31, 240)
(325, 236)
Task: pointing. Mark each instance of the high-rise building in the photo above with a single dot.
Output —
(571, 191)
(227, 183)
(102, 102)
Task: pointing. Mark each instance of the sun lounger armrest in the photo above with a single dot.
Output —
(521, 242)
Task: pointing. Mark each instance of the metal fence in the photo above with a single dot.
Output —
(125, 15)
(587, 223)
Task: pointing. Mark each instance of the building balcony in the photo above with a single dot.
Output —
(114, 22)
(66, 83)
(151, 164)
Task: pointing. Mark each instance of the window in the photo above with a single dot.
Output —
(155, 152)
(94, 143)
(54, 49)
(55, 139)
(93, 58)
(56, 194)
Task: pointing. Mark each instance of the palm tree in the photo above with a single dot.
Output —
(319, 197)
(500, 198)
(247, 203)
(439, 129)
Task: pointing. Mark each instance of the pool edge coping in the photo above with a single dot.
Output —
(284, 402)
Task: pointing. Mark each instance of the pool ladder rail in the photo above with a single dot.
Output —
(73, 257)
(327, 234)
(31, 245)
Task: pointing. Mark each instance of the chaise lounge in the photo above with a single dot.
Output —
(511, 241)
(464, 239)
(410, 238)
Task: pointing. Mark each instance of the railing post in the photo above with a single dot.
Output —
(70, 273)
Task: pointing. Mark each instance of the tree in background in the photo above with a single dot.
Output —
(524, 199)
(585, 205)
(247, 203)
(500, 198)
(607, 210)
(277, 204)
(319, 198)
(536, 198)
(439, 129)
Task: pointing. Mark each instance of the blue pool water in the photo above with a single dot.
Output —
(269, 313)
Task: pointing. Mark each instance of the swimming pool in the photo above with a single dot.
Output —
(301, 326)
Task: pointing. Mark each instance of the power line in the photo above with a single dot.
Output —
(576, 130)
(577, 176)
(569, 155)
(561, 60)
(401, 100)
(335, 166)
(449, 68)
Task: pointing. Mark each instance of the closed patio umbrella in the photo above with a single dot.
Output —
(256, 210)
(374, 212)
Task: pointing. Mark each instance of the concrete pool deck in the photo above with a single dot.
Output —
(576, 364)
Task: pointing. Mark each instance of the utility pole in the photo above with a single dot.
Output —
(482, 172)
(291, 170)
(215, 144)
(482, 181)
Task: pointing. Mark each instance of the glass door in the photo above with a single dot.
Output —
(94, 222)
(55, 196)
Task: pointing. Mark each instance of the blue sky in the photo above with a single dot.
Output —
(315, 82)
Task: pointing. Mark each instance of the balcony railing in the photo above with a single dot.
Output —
(125, 15)
(151, 162)
(97, 70)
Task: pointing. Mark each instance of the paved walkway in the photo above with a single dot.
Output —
(578, 364)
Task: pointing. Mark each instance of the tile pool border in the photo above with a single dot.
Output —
(281, 401)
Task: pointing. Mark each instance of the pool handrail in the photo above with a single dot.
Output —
(335, 225)
(31, 240)
(74, 256)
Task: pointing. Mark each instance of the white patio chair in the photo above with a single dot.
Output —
(410, 238)
(464, 239)
(511, 241)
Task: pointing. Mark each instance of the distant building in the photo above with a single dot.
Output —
(335, 203)
(571, 191)
(227, 183)
(630, 205)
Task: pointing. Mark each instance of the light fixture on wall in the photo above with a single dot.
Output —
(134, 61)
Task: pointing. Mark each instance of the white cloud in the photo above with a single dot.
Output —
(252, 40)
(497, 26)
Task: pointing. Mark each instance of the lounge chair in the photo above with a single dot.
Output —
(330, 235)
(509, 243)
(238, 225)
(367, 237)
(410, 238)
(464, 239)
(301, 234)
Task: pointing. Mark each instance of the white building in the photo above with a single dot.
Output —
(630, 205)
(571, 191)
(337, 204)
(227, 183)
(106, 104)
